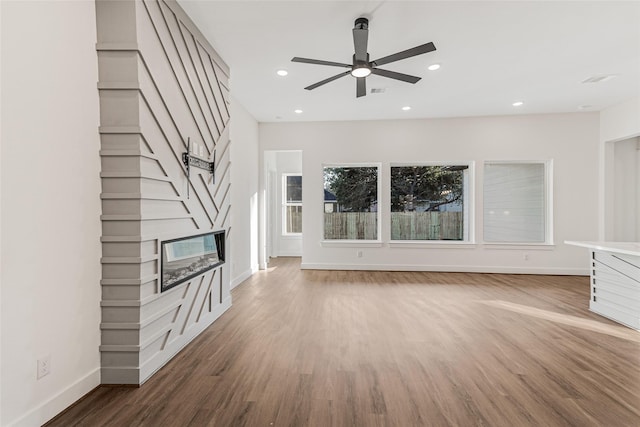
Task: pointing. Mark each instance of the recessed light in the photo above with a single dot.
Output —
(406, 108)
(282, 73)
(433, 67)
(518, 104)
(297, 111)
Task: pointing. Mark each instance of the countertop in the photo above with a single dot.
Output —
(627, 248)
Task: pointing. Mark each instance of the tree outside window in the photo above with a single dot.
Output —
(351, 203)
(427, 202)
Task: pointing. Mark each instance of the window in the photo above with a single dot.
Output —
(351, 202)
(516, 202)
(429, 202)
(292, 204)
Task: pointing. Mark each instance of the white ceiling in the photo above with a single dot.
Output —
(492, 54)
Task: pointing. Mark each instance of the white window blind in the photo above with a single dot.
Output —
(514, 202)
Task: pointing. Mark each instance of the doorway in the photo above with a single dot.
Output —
(283, 203)
(622, 190)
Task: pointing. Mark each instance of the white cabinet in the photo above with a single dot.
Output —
(615, 280)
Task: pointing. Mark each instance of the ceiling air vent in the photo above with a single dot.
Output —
(600, 78)
(378, 90)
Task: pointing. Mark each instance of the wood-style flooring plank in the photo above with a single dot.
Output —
(354, 348)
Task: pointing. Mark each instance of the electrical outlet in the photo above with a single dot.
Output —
(359, 254)
(525, 257)
(44, 366)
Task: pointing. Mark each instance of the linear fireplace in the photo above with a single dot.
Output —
(187, 257)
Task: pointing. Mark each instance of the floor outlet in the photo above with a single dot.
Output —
(44, 366)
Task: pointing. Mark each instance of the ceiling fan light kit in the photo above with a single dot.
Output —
(361, 67)
(360, 71)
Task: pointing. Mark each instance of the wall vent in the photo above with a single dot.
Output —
(599, 78)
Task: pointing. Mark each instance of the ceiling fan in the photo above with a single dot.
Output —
(362, 67)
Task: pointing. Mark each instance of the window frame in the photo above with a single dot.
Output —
(548, 206)
(286, 204)
(354, 242)
(468, 208)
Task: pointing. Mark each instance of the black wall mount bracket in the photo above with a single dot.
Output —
(190, 160)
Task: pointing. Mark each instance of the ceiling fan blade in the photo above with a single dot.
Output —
(325, 81)
(361, 87)
(393, 75)
(360, 38)
(320, 62)
(414, 51)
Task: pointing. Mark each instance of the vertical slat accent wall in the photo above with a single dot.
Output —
(160, 83)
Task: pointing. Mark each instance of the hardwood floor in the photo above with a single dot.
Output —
(335, 348)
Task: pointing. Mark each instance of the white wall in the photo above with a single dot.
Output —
(570, 140)
(626, 190)
(243, 240)
(617, 123)
(268, 206)
(1, 197)
(620, 121)
(51, 207)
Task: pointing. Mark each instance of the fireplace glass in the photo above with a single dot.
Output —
(188, 257)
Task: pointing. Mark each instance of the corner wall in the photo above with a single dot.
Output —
(620, 121)
(570, 140)
(50, 207)
(617, 123)
(161, 83)
(244, 197)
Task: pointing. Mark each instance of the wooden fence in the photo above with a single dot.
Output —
(351, 225)
(426, 226)
(404, 226)
(294, 219)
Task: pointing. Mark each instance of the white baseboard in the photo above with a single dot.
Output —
(449, 268)
(242, 277)
(58, 403)
(289, 254)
